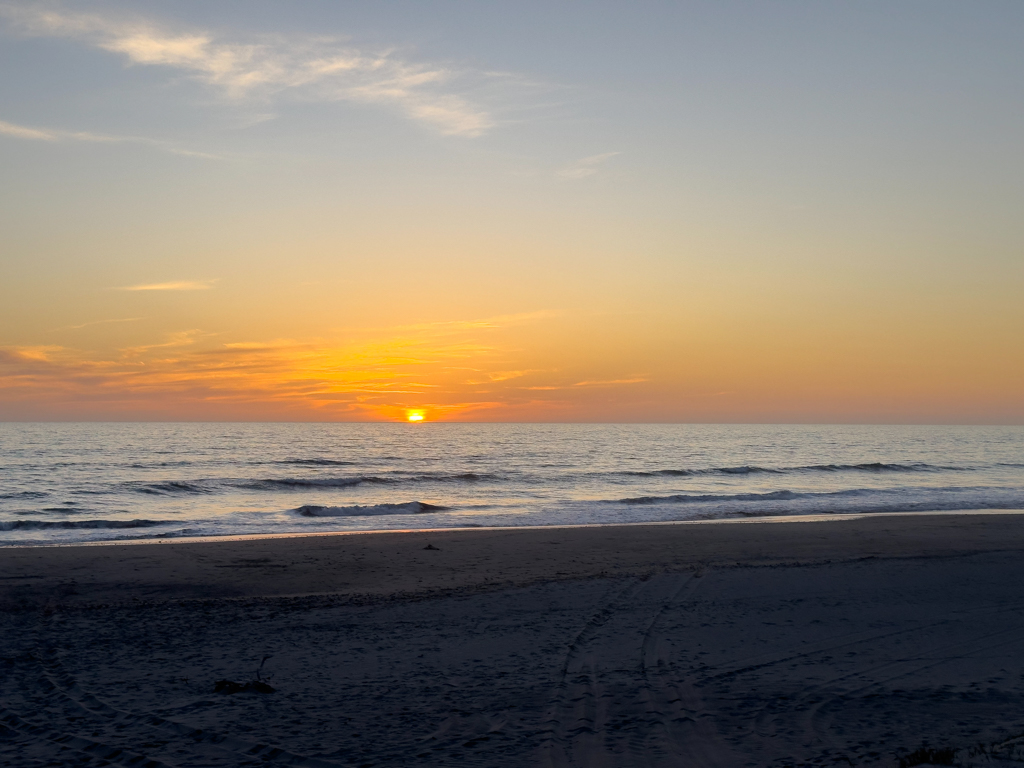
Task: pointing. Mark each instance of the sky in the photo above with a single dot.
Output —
(316, 210)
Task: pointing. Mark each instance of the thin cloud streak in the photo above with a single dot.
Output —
(52, 135)
(610, 382)
(180, 285)
(98, 322)
(600, 383)
(588, 166)
(317, 68)
(24, 132)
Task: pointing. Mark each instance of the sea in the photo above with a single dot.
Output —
(65, 483)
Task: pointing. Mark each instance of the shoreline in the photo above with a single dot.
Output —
(813, 518)
(426, 561)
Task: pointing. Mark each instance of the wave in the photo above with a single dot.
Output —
(215, 485)
(462, 477)
(43, 525)
(408, 508)
(159, 464)
(684, 498)
(317, 462)
(208, 486)
(291, 483)
(876, 499)
(875, 466)
(699, 472)
(170, 487)
(876, 507)
(24, 495)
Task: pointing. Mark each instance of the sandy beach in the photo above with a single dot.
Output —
(850, 641)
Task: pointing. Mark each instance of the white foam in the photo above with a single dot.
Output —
(360, 510)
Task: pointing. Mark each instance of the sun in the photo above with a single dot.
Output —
(414, 415)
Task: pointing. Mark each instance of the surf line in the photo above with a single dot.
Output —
(818, 518)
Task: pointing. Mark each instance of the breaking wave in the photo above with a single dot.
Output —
(876, 467)
(357, 510)
(862, 499)
(684, 498)
(291, 483)
(44, 525)
(211, 486)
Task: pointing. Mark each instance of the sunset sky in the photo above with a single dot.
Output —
(531, 211)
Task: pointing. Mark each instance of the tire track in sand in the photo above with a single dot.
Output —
(619, 701)
(801, 718)
(815, 718)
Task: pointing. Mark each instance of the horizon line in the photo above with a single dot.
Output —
(570, 423)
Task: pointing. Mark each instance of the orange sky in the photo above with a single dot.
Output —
(693, 212)
(534, 367)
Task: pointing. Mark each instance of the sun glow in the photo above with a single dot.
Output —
(414, 415)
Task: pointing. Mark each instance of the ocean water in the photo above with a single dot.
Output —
(64, 483)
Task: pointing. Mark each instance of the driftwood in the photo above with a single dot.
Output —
(259, 685)
(230, 686)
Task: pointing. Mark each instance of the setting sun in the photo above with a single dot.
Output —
(414, 415)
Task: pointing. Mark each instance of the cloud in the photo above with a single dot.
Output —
(610, 382)
(37, 354)
(24, 132)
(507, 375)
(180, 285)
(585, 167)
(361, 374)
(98, 322)
(596, 383)
(186, 371)
(49, 134)
(318, 68)
(176, 339)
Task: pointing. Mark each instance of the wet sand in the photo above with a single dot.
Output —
(843, 642)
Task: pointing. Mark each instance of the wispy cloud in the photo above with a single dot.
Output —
(37, 354)
(320, 68)
(611, 382)
(587, 166)
(595, 383)
(507, 375)
(448, 370)
(50, 134)
(174, 340)
(98, 322)
(379, 376)
(24, 132)
(179, 285)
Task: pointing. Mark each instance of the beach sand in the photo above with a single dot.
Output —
(844, 642)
